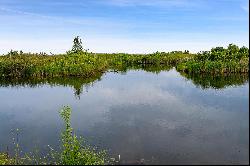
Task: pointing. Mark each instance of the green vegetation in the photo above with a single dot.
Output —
(29, 65)
(5, 159)
(81, 64)
(158, 58)
(219, 60)
(78, 62)
(77, 46)
(74, 151)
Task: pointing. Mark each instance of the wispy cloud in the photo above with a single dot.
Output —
(245, 5)
(155, 3)
(4, 9)
(246, 8)
(86, 21)
(229, 18)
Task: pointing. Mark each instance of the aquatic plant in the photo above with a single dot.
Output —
(74, 150)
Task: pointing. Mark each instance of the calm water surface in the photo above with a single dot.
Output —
(145, 117)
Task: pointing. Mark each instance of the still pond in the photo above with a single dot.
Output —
(145, 117)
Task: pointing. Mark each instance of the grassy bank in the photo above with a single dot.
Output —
(83, 64)
(219, 60)
(78, 62)
(42, 66)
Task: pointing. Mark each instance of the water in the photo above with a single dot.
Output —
(147, 118)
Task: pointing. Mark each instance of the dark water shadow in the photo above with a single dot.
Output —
(205, 81)
(77, 83)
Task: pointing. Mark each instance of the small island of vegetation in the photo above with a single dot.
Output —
(81, 63)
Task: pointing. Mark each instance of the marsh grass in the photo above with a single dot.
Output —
(218, 61)
(74, 150)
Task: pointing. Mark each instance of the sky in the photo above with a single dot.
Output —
(129, 26)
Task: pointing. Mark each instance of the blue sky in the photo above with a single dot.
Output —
(133, 26)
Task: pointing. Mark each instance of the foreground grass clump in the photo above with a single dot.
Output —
(219, 60)
(74, 151)
(5, 159)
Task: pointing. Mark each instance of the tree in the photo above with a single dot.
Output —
(217, 53)
(186, 52)
(232, 50)
(77, 46)
(243, 52)
(12, 53)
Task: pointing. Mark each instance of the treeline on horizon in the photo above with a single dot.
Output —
(79, 62)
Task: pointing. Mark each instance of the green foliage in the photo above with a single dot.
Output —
(74, 151)
(6, 160)
(27, 65)
(77, 46)
(80, 63)
(12, 53)
(219, 60)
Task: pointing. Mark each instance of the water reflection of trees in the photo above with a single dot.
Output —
(217, 81)
(200, 80)
(145, 67)
(77, 83)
